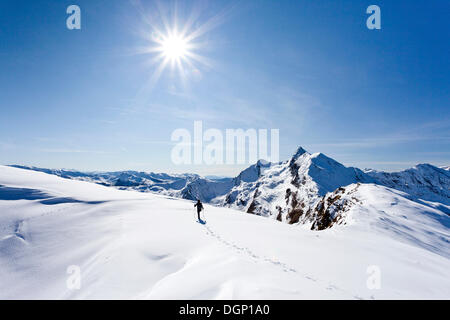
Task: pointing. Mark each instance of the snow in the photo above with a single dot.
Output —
(134, 245)
(278, 190)
(304, 179)
(423, 181)
(167, 184)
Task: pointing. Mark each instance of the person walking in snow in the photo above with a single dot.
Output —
(199, 206)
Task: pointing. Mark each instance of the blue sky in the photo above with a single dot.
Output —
(82, 98)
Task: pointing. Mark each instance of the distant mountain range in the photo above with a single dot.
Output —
(306, 189)
(163, 183)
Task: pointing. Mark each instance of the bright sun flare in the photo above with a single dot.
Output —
(175, 43)
(174, 47)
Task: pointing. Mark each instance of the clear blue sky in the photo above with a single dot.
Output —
(81, 98)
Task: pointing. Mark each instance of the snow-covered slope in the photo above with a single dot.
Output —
(163, 183)
(145, 246)
(423, 181)
(288, 191)
(204, 189)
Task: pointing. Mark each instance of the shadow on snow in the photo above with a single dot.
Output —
(9, 193)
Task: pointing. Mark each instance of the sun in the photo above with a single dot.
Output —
(174, 41)
(174, 47)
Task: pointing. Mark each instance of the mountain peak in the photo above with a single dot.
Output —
(300, 151)
(262, 163)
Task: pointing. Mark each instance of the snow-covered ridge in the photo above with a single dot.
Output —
(134, 245)
(288, 191)
(140, 181)
(423, 181)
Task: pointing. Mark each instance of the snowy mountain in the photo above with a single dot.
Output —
(264, 188)
(289, 191)
(140, 181)
(214, 191)
(424, 181)
(293, 191)
(205, 189)
(134, 245)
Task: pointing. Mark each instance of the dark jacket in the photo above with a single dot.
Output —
(199, 206)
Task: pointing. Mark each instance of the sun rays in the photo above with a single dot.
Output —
(174, 41)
